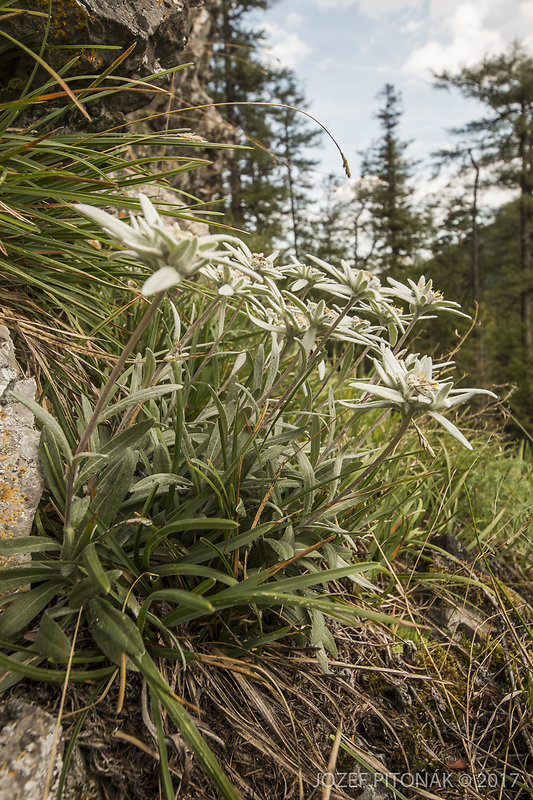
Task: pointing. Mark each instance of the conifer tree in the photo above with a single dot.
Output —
(239, 77)
(504, 138)
(395, 225)
(292, 138)
(267, 187)
(342, 223)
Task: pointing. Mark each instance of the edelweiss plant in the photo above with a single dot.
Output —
(223, 476)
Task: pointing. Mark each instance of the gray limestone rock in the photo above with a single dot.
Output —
(158, 29)
(26, 741)
(26, 747)
(21, 478)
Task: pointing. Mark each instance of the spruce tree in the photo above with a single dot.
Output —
(395, 225)
(292, 138)
(267, 187)
(238, 76)
(342, 227)
(503, 137)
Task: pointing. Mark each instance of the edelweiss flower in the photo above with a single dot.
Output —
(265, 266)
(409, 386)
(295, 319)
(421, 296)
(305, 277)
(159, 244)
(230, 280)
(259, 267)
(388, 316)
(349, 282)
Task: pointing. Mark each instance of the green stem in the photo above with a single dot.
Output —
(317, 353)
(376, 463)
(406, 333)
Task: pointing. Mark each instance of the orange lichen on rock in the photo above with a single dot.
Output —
(21, 479)
(11, 504)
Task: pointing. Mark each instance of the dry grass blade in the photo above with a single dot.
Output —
(332, 763)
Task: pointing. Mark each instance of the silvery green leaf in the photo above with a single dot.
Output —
(117, 229)
(240, 361)
(27, 544)
(308, 478)
(281, 549)
(138, 397)
(380, 391)
(26, 606)
(148, 369)
(458, 396)
(79, 513)
(383, 374)
(113, 631)
(259, 366)
(161, 459)
(177, 321)
(318, 627)
(51, 640)
(52, 465)
(329, 643)
(451, 428)
(113, 487)
(149, 211)
(322, 659)
(46, 419)
(161, 478)
(161, 280)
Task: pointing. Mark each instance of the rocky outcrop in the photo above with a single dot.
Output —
(189, 105)
(21, 479)
(96, 32)
(203, 118)
(26, 748)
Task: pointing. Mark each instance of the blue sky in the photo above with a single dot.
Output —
(344, 51)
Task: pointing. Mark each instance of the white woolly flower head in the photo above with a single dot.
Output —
(348, 282)
(409, 386)
(161, 245)
(421, 296)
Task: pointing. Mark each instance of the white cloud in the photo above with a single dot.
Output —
(283, 47)
(325, 5)
(294, 20)
(411, 26)
(379, 8)
(468, 31)
(371, 8)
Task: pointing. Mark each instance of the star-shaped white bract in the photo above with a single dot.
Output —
(348, 283)
(409, 386)
(173, 253)
(421, 296)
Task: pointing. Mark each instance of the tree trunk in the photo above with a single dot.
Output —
(476, 291)
(526, 259)
(475, 232)
(229, 91)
